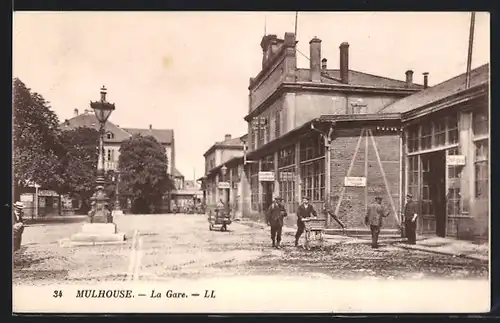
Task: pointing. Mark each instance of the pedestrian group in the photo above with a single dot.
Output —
(375, 214)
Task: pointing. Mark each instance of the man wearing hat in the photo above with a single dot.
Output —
(274, 218)
(305, 210)
(410, 217)
(17, 224)
(374, 214)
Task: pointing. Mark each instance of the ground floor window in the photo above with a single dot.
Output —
(286, 177)
(413, 176)
(313, 179)
(254, 187)
(453, 198)
(481, 169)
(426, 198)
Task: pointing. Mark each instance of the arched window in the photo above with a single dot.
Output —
(110, 135)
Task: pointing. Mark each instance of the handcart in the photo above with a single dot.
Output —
(315, 231)
(219, 219)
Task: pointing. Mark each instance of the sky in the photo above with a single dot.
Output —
(189, 71)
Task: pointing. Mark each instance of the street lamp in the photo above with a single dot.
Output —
(102, 110)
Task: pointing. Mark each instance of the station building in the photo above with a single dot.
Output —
(342, 137)
(317, 132)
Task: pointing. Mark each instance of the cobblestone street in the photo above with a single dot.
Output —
(163, 247)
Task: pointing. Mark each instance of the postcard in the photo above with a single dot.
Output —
(251, 162)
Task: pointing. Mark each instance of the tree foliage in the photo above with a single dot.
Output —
(35, 140)
(79, 161)
(143, 168)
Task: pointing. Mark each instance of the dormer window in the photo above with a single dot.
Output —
(110, 135)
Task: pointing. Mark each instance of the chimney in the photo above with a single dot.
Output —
(150, 126)
(323, 64)
(227, 137)
(315, 59)
(75, 112)
(409, 78)
(426, 79)
(344, 62)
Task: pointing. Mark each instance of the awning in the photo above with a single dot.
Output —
(340, 121)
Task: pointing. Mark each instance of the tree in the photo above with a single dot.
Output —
(35, 140)
(79, 155)
(143, 168)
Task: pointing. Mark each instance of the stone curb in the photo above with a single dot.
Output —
(448, 253)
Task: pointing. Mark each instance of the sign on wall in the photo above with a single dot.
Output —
(27, 197)
(455, 160)
(266, 176)
(287, 176)
(355, 181)
(47, 193)
(224, 185)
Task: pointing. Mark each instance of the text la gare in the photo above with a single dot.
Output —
(173, 294)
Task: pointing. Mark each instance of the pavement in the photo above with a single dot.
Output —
(169, 247)
(438, 245)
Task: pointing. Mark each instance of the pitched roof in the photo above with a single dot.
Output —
(332, 76)
(89, 120)
(164, 136)
(176, 173)
(479, 76)
(231, 143)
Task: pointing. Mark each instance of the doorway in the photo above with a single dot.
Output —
(437, 188)
(268, 191)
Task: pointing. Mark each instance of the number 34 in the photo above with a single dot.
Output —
(57, 294)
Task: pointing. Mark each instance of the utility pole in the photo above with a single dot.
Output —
(296, 19)
(469, 52)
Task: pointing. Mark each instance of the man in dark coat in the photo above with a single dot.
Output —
(17, 224)
(305, 210)
(274, 218)
(410, 217)
(374, 214)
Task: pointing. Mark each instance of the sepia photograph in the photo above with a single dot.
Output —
(250, 162)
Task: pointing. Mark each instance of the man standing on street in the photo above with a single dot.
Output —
(410, 214)
(17, 224)
(305, 210)
(374, 214)
(274, 218)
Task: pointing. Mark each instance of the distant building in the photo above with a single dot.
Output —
(115, 135)
(187, 194)
(219, 185)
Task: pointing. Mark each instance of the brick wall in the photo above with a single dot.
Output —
(352, 206)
